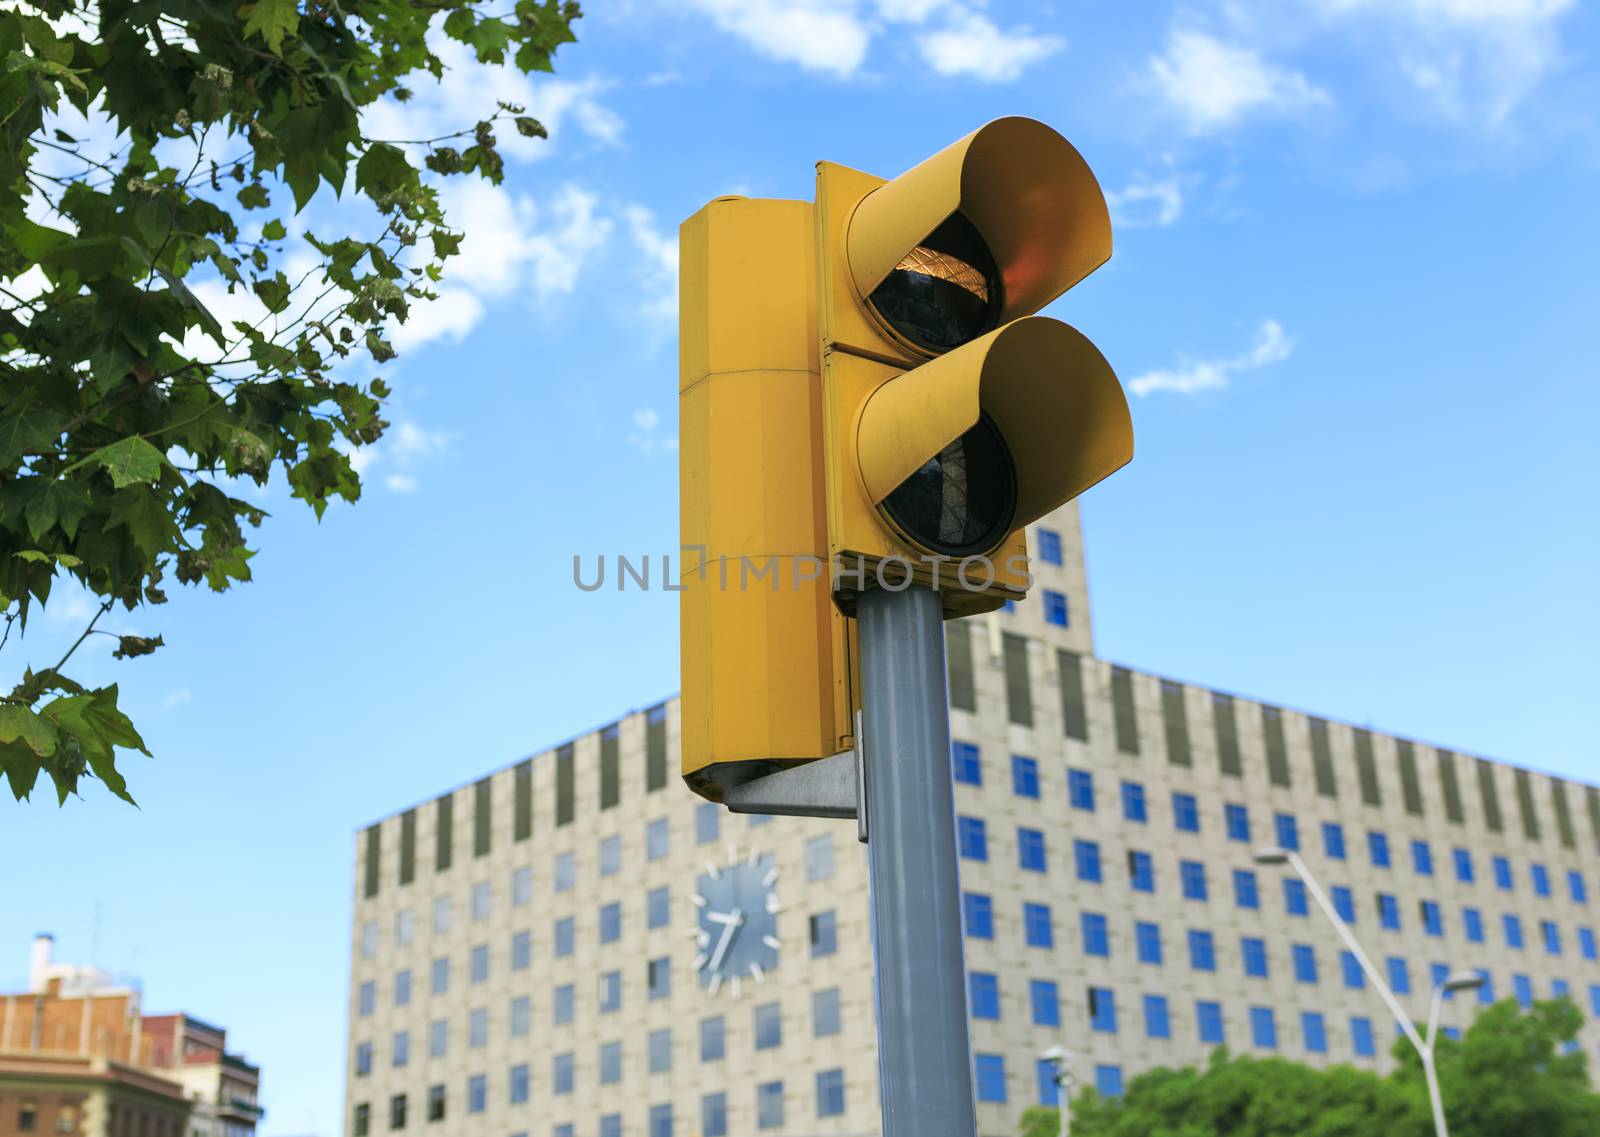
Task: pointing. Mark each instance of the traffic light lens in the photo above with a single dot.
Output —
(945, 291)
(961, 502)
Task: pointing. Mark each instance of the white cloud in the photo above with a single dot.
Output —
(1213, 84)
(401, 483)
(973, 45)
(450, 316)
(658, 263)
(513, 243)
(177, 698)
(1272, 345)
(819, 35)
(403, 446)
(644, 438)
(1146, 202)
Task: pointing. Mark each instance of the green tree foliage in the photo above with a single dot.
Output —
(1512, 1074)
(129, 412)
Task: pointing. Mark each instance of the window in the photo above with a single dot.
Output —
(1378, 849)
(566, 871)
(1576, 887)
(1314, 1031)
(477, 1093)
(1202, 951)
(1185, 813)
(1254, 953)
(769, 1105)
(1422, 858)
(1432, 918)
(561, 1073)
(1108, 1081)
(819, 857)
(610, 855)
(436, 1103)
(1513, 928)
(1287, 831)
(1080, 789)
(521, 1016)
(565, 934)
(983, 991)
(1147, 938)
(1045, 1002)
(1388, 912)
(1236, 819)
(968, 768)
(1541, 879)
(990, 1072)
(712, 1035)
(1103, 1010)
(1037, 927)
(1049, 545)
(1024, 776)
(1074, 716)
(1208, 1018)
(482, 898)
(397, 1111)
(1157, 1022)
(1333, 840)
(1463, 863)
(1193, 876)
(658, 977)
(1019, 690)
(1350, 968)
(660, 1121)
(1472, 922)
(1305, 963)
(714, 1115)
(1055, 608)
(657, 839)
(1245, 892)
(402, 987)
(825, 1012)
(478, 963)
(1133, 805)
(658, 907)
(438, 1038)
(1586, 945)
(610, 922)
(958, 666)
(405, 926)
(610, 1126)
(1086, 858)
(1294, 896)
(769, 1026)
(439, 976)
(707, 823)
(517, 1083)
(1552, 936)
(1343, 903)
(1263, 1028)
(1438, 973)
(610, 1063)
(1141, 871)
(478, 1026)
(1124, 717)
(830, 1093)
(1399, 975)
(1030, 849)
(824, 934)
(1522, 989)
(610, 991)
(363, 1120)
(441, 915)
(366, 998)
(977, 913)
(363, 1059)
(1175, 723)
(1502, 874)
(1096, 941)
(1361, 1036)
(973, 838)
(563, 1003)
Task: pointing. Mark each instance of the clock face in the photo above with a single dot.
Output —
(737, 929)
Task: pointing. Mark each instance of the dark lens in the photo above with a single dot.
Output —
(945, 291)
(962, 500)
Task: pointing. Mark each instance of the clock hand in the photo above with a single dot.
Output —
(729, 927)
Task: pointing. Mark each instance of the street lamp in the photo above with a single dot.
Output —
(1057, 1059)
(1455, 981)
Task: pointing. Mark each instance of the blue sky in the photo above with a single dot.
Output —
(1354, 292)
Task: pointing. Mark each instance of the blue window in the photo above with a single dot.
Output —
(1263, 1028)
(1086, 856)
(1577, 887)
(1541, 880)
(1422, 858)
(1333, 840)
(1305, 963)
(1024, 776)
(1055, 608)
(990, 1071)
(1202, 951)
(974, 839)
(1049, 546)
(1522, 988)
(1157, 1022)
(1314, 1031)
(1343, 903)
(610, 922)
(1080, 789)
(1560, 989)
(1594, 999)
(1147, 937)
(983, 990)
(1287, 830)
(1030, 849)
(1378, 849)
(1046, 1003)
(1096, 941)
(1103, 1010)
(1399, 975)
(1236, 818)
(1036, 925)
(1245, 893)
(1437, 974)
(1472, 922)
(1361, 1036)
(1133, 807)
(1193, 875)
(1464, 871)
(1388, 912)
(1010, 606)
(1141, 871)
(1586, 943)
(968, 767)
(1552, 936)
(977, 911)
(1513, 927)
(657, 906)
(1502, 874)
(1208, 1017)
(1049, 1091)
(1485, 992)
(1254, 953)
(1185, 813)
(1108, 1081)
(1350, 968)
(1294, 896)
(1432, 918)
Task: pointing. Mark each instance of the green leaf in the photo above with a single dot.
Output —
(130, 646)
(21, 724)
(47, 502)
(131, 461)
(143, 512)
(273, 230)
(27, 431)
(271, 20)
(39, 557)
(98, 726)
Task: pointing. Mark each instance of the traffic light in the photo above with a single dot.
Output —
(952, 416)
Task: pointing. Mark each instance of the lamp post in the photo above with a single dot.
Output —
(1455, 981)
(1058, 1059)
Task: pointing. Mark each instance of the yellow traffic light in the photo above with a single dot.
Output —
(952, 416)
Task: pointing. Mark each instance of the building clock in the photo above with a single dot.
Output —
(737, 928)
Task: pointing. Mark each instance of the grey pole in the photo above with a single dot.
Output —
(924, 1059)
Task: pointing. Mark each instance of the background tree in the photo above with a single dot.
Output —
(129, 412)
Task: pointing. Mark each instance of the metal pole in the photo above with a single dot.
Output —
(924, 1059)
(1065, 1084)
(1435, 1098)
